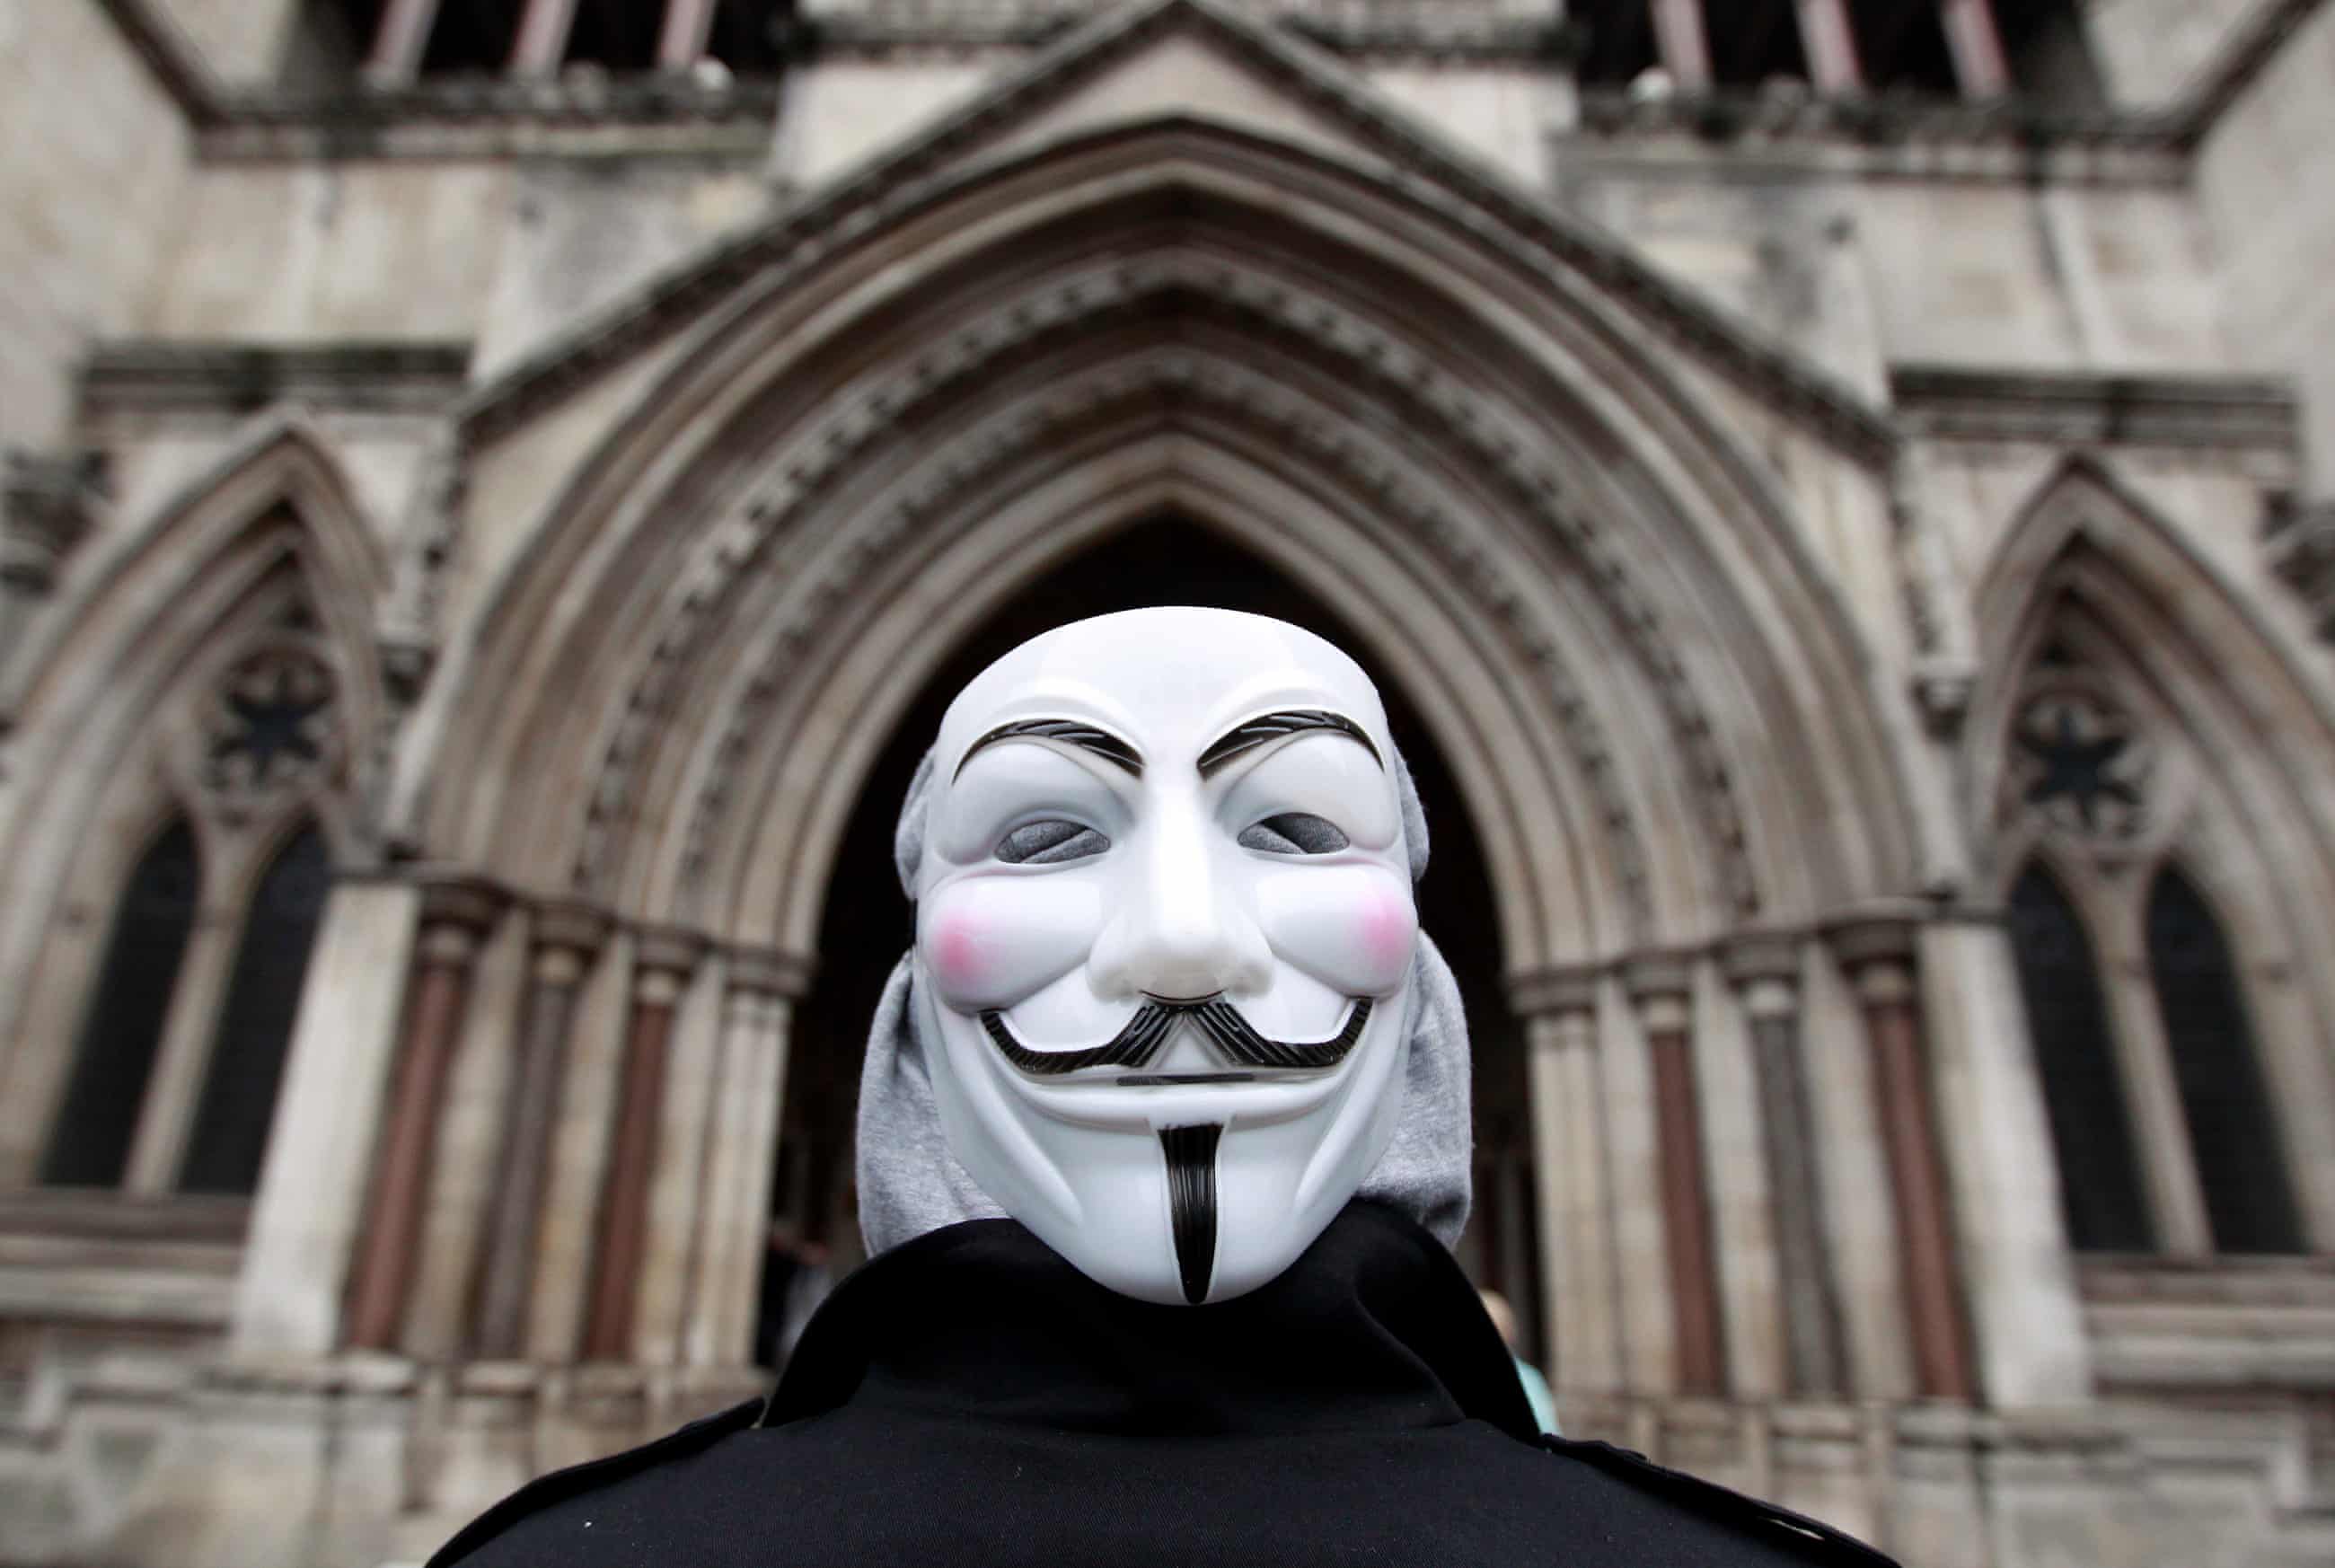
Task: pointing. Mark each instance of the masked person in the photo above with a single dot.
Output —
(1163, 1142)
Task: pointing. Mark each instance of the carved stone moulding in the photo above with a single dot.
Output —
(1753, 957)
(1943, 689)
(1881, 932)
(770, 970)
(454, 897)
(47, 505)
(1653, 977)
(571, 926)
(1571, 988)
(144, 378)
(2075, 408)
(2299, 540)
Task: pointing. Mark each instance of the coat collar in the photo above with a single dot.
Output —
(1374, 1325)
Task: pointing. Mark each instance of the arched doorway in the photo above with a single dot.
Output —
(866, 923)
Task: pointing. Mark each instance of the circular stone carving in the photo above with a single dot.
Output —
(272, 728)
(2079, 765)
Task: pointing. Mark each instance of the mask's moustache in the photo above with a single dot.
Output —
(1137, 1043)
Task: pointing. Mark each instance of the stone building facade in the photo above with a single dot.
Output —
(1834, 491)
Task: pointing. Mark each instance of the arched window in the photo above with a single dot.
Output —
(2083, 1088)
(229, 1137)
(122, 1029)
(2231, 1132)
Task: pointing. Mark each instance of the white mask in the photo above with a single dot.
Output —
(1164, 942)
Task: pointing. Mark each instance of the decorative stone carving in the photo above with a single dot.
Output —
(272, 729)
(2078, 762)
(2298, 539)
(48, 503)
(1943, 691)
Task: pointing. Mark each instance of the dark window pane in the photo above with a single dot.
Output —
(330, 40)
(752, 36)
(1619, 43)
(1901, 46)
(2044, 45)
(472, 35)
(2231, 1129)
(1755, 42)
(122, 1029)
(620, 34)
(230, 1132)
(2083, 1090)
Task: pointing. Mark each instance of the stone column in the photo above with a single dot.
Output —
(662, 965)
(2031, 1346)
(1685, 48)
(1877, 954)
(542, 43)
(1830, 46)
(566, 938)
(1766, 974)
(1661, 987)
(734, 1216)
(1579, 1291)
(687, 25)
(456, 915)
(401, 42)
(305, 1219)
(1979, 62)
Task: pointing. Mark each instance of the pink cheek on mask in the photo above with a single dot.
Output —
(1386, 930)
(957, 957)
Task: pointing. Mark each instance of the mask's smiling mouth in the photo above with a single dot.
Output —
(1138, 1042)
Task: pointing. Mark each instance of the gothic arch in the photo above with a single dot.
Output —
(283, 462)
(261, 571)
(2236, 750)
(1488, 406)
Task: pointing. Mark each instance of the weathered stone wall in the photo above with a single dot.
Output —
(492, 253)
(2266, 183)
(839, 111)
(90, 191)
(243, 41)
(327, 252)
(1861, 274)
(2149, 50)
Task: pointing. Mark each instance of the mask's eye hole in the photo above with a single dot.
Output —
(1294, 833)
(1049, 842)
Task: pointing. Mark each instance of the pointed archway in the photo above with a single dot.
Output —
(213, 661)
(2134, 723)
(865, 924)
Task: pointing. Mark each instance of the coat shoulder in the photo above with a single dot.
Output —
(1765, 1532)
(498, 1524)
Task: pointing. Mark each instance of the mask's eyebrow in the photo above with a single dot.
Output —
(1069, 732)
(1251, 733)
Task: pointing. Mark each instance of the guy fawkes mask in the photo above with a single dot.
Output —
(1164, 942)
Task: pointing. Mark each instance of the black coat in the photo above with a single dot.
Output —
(971, 1398)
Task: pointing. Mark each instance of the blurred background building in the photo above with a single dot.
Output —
(1833, 490)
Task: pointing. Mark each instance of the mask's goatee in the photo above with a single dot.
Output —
(1191, 1154)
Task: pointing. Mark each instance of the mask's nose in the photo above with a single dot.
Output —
(1178, 928)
